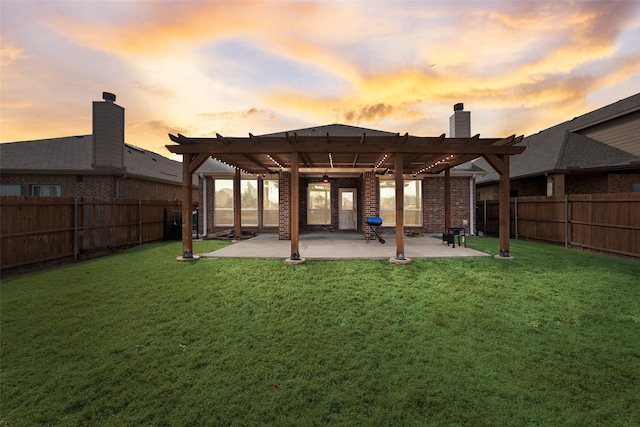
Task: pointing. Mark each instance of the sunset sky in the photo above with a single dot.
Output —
(201, 67)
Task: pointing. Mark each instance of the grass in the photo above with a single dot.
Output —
(551, 338)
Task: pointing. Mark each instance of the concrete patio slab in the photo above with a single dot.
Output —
(341, 245)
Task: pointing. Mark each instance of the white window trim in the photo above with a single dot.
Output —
(266, 209)
(309, 210)
(420, 209)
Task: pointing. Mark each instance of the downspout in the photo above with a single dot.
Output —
(472, 207)
(204, 206)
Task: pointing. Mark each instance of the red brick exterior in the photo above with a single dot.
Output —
(370, 196)
(284, 215)
(433, 203)
(99, 186)
(368, 192)
(593, 183)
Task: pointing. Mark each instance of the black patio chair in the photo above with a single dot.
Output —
(374, 224)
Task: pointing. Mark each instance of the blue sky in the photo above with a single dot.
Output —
(206, 67)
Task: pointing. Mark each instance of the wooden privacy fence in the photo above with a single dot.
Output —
(608, 223)
(40, 229)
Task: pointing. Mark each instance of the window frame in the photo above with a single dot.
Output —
(22, 189)
(247, 212)
(268, 204)
(310, 206)
(49, 186)
(219, 210)
(388, 214)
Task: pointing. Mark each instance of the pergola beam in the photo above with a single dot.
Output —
(325, 148)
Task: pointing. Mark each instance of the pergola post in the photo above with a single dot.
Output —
(237, 205)
(501, 165)
(447, 199)
(190, 162)
(399, 181)
(187, 202)
(295, 207)
(505, 218)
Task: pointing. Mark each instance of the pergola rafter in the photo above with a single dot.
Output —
(404, 154)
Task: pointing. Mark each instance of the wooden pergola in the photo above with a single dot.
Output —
(405, 155)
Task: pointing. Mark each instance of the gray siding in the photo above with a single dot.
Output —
(622, 132)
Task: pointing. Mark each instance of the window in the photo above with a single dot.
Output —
(319, 203)
(270, 202)
(13, 190)
(412, 202)
(223, 203)
(249, 202)
(47, 190)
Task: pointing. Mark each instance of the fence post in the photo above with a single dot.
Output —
(516, 216)
(566, 221)
(140, 222)
(75, 229)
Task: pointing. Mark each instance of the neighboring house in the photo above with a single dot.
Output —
(598, 152)
(100, 165)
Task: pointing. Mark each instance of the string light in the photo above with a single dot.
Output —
(431, 166)
(275, 161)
(331, 160)
(381, 161)
(233, 166)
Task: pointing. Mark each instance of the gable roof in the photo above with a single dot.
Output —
(71, 154)
(558, 148)
(333, 130)
(74, 155)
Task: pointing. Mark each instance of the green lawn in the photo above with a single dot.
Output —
(551, 339)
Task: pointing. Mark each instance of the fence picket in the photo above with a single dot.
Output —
(39, 229)
(608, 223)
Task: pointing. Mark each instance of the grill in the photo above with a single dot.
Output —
(374, 224)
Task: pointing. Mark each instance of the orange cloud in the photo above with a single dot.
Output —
(369, 113)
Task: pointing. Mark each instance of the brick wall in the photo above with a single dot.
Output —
(623, 183)
(284, 216)
(433, 203)
(593, 183)
(99, 186)
(586, 184)
(94, 186)
(140, 189)
(491, 192)
(369, 205)
(368, 196)
(336, 184)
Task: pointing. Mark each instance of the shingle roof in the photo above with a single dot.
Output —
(558, 148)
(74, 154)
(333, 130)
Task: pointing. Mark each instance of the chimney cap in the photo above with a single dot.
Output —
(108, 96)
(458, 107)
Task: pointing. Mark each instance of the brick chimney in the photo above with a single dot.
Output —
(460, 122)
(108, 133)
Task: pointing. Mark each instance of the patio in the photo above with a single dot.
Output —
(341, 246)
